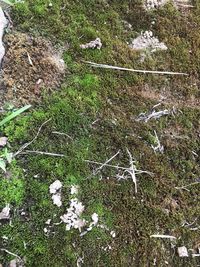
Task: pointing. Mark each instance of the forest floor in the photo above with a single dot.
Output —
(124, 144)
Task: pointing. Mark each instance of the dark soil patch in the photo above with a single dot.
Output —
(30, 66)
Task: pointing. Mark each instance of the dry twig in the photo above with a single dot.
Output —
(104, 66)
(29, 143)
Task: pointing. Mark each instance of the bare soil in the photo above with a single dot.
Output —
(30, 65)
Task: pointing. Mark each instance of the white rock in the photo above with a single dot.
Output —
(183, 252)
(55, 186)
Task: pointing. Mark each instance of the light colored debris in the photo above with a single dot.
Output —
(74, 189)
(12, 254)
(55, 189)
(158, 147)
(42, 153)
(48, 221)
(55, 186)
(93, 44)
(3, 141)
(105, 163)
(3, 24)
(183, 252)
(57, 199)
(5, 213)
(59, 133)
(152, 4)
(195, 255)
(72, 218)
(185, 186)
(131, 170)
(164, 236)
(80, 261)
(146, 40)
(105, 66)
(29, 59)
(153, 115)
(113, 234)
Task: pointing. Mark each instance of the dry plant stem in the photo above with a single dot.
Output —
(13, 254)
(42, 153)
(29, 143)
(132, 169)
(59, 133)
(93, 64)
(164, 236)
(104, 164)
(118, 167)
(185, 187)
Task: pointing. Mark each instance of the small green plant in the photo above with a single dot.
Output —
(5, 157)
(14, 114)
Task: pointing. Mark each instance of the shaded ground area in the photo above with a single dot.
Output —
(94, 116)
(30, 65)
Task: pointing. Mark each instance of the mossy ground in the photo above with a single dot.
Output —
(112, 100)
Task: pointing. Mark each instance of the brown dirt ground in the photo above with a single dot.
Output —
(30, 65)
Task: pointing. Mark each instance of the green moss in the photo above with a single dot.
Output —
(97, 108)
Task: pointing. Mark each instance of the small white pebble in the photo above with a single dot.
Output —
(182, 252)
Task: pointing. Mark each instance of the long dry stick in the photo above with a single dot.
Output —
(29, 143)
(93, 64)
(42, 153)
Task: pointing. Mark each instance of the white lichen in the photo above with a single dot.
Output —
(55, 190)
(74, 189)
(55, 186)
(146, 40)
(152, 4)
(72, 218)
(93, 44)
(183, 252)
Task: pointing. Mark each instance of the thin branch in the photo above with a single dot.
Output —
(29, 143)
(42, 153)
(104, 164)
(59, 133)
(93, 64)
(13, 254)
(164, 236)
(185, 187)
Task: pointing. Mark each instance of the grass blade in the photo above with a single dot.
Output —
(14, 114)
